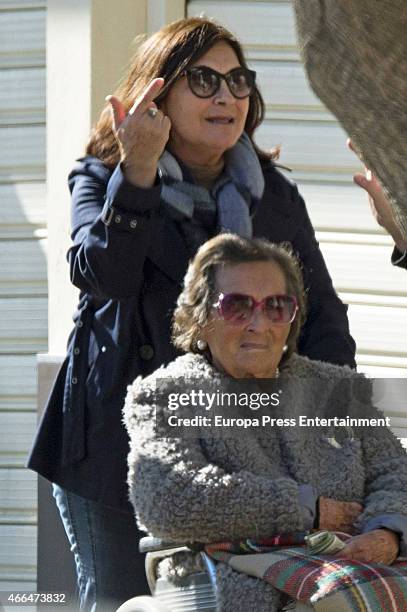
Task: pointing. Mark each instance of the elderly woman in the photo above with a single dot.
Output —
(238, 317)
(171, 163)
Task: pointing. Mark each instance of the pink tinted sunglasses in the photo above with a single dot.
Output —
(238, 308)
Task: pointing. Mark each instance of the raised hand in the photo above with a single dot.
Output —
(338, 515)
(142, 134)
(379, 203)
(378, 546)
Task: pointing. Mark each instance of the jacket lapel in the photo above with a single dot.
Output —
(273, 219)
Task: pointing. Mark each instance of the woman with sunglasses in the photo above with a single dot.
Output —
(171, 162)
(210, 481)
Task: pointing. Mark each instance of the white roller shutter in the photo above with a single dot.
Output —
(357, 252)
(23, 287)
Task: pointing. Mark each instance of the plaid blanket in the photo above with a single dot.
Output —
(320, 580)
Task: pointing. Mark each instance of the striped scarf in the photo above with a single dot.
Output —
(227, 207)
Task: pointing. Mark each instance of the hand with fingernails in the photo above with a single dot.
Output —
(379, 202)
(142, 134)
(377, 546)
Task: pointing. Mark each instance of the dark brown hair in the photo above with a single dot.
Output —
(166, 54)
(199, 292)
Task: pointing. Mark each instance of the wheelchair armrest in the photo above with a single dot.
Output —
(157, 549)
(149, 544)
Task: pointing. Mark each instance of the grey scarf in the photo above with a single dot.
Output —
(227, 206)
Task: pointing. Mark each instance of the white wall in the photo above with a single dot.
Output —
(23, 285)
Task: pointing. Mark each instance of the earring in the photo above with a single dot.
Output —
(201, 344)
(285, 347)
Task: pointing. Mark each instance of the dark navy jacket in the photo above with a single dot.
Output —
(129, 260)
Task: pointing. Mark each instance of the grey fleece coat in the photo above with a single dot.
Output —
(212, 489)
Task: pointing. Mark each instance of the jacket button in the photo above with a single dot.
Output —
(146, 352)
(76, 351)
(74, 380)
(79, 324)
(133, 223)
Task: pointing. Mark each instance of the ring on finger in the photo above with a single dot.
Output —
(152, 112)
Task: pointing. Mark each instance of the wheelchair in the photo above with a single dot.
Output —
(194, 593)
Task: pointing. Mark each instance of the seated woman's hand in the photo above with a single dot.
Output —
(378, 546)
(337, 515)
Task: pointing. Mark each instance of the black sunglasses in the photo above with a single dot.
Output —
(204, 82)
